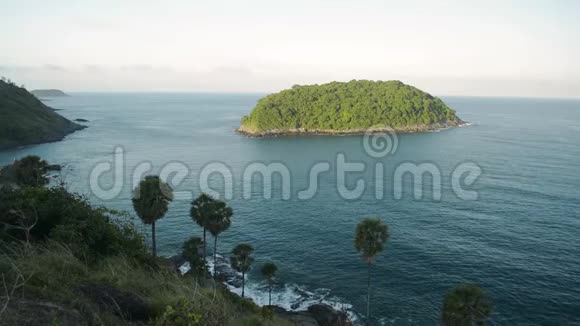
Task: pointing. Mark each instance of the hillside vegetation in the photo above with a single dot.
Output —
(348, 107)
(25, 120)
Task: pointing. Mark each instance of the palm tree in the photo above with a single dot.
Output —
(241, 260)
(201, 211)
(151, 200)
(269, 272)
(219, 220)
(370, 238)
(466, 305)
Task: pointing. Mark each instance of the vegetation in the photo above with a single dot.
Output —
(466, 305)
(28, 171)
(201, 213)
(25, 120)
(65, 262)
(151, 200)
(370, 237)
(242, 260)
(269, 272)
(197, 265)
(39, 214)
(218, 222)
(351, 106)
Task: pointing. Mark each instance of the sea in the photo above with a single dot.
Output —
(496, 202)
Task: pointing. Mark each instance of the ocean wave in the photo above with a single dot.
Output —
(290, 296)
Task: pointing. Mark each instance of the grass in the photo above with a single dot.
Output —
(50, 276)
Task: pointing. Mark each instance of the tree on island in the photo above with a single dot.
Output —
(219, 221)
(466, 305)
(151, 199)
(241, 261)
(370, 238)
(269, 272)
(354, 105)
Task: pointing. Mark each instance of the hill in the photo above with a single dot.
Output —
(348, 108)
(25, 120)
(48, 93)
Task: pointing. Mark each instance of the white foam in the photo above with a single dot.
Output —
(290, 296)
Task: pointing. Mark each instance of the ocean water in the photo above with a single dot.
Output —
(518, 240)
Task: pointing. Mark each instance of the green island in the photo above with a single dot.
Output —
(25, 120)
(348, 108)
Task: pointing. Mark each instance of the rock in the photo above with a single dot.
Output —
(177, 261)
(325, 315)
(81, 120)
(298, 318)
(124, 304)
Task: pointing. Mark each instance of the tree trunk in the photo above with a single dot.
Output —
(369, 295)
(153, 239)
(204, 252)
(214, 256)
(243, 283)
(270, 296)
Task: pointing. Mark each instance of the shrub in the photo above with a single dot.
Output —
(54, 213)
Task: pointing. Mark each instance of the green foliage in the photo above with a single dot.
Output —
(52, 273)
(219, 218)
(348, 106)
(151, 199)
(370, 237)
(184, 313)
(202, 209)
(269, 270)
(212, 215)
(90, 233)
(30, 171)
(191, 253)
(241, 259)
(466, 305)
(24, 119)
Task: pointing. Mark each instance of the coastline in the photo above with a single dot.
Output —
(59, 136)
(305, 309)
(250, 132)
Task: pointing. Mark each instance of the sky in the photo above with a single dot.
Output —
(473, 48)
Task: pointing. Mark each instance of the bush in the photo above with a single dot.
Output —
(54, 213)
(184, 313)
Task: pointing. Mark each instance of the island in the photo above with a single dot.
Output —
(354, 107)
(48, 93)
(25, 120)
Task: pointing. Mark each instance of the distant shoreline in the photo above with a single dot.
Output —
(352, 132)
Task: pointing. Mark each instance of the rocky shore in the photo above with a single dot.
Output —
(250, 132)
(318, 314)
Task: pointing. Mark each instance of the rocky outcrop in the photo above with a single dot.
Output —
(325, 315)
